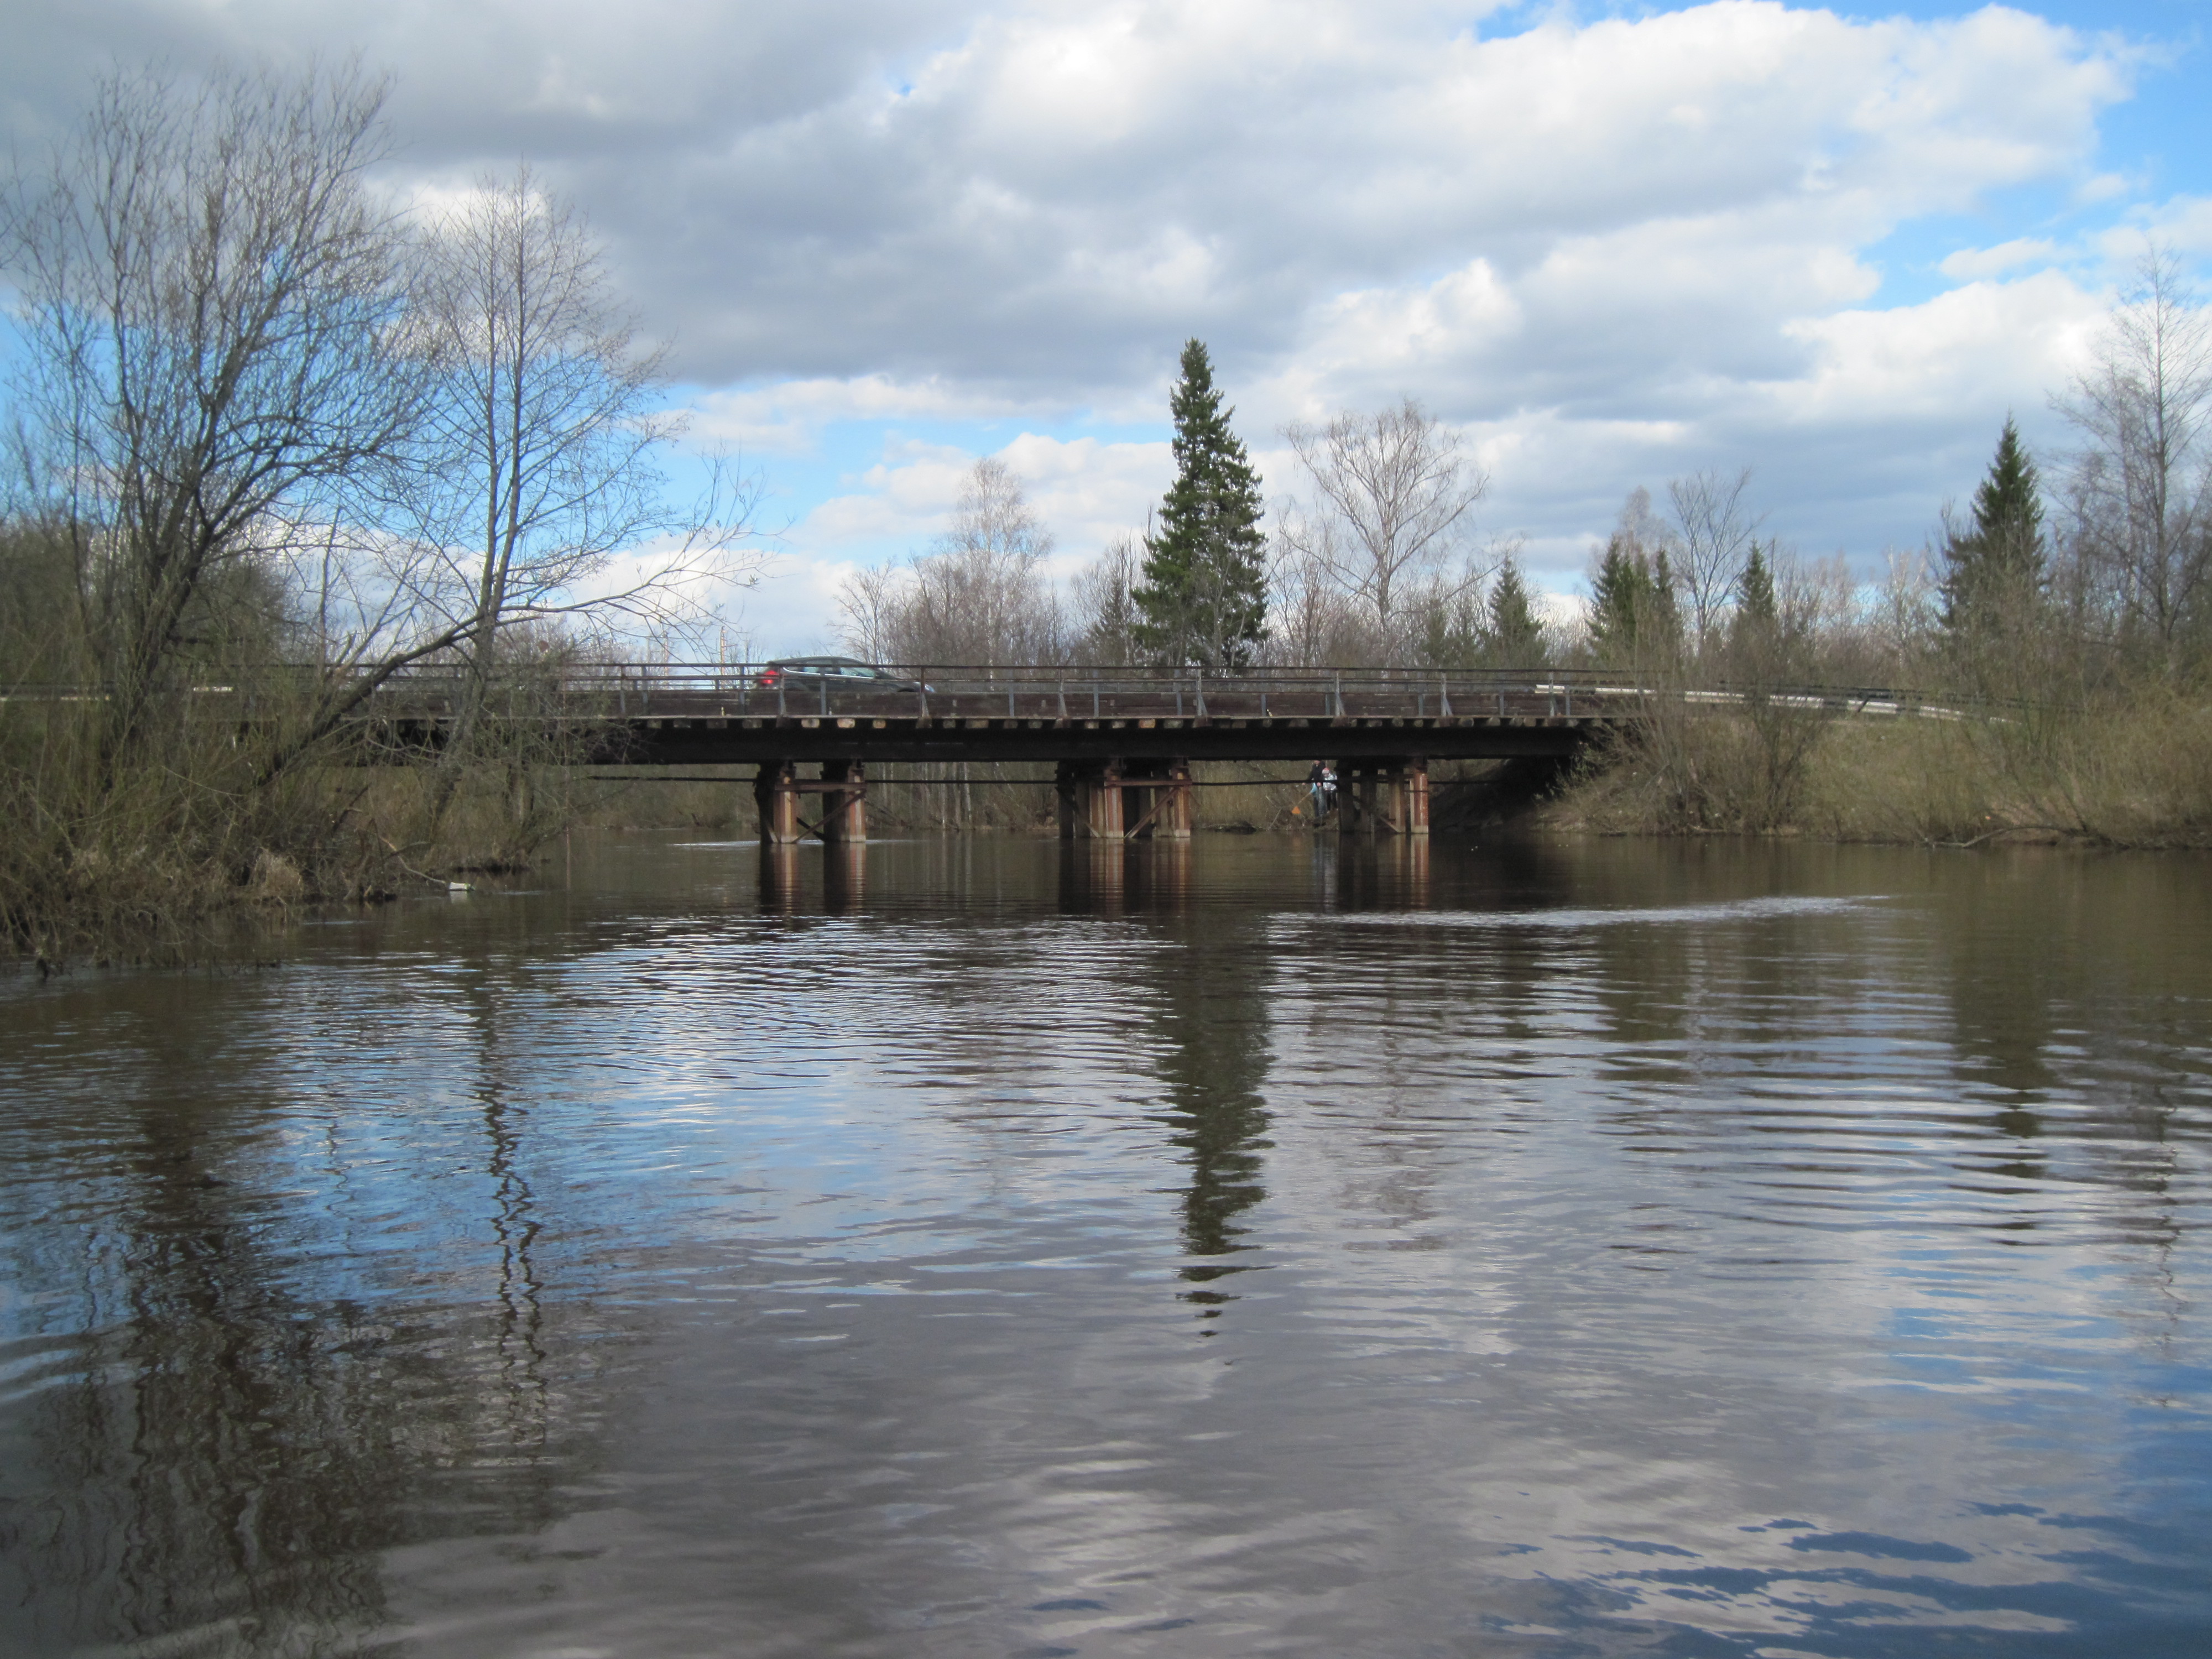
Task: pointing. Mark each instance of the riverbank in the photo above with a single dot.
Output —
(2132, 775)
(2137, 775)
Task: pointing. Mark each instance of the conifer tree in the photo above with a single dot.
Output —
(1618, 597)
(1994, 572)
(1203, 599)
(1755, 607)
(1633, 611)
(1514, 636)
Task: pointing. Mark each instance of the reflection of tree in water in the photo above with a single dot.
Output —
(244, 1432)
(1211, 1041)
(2005, 971)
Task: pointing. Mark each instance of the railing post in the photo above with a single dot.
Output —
(1063, 696)
(1198, 682)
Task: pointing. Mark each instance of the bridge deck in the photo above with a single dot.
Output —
(662, 715)
(707, 740)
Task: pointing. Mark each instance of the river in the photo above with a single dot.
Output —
(1254, 1246)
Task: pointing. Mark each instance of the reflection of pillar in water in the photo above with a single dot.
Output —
(844, 877)
(1091, 878)
(778, 877)
(1413, 866)
(1163, 871)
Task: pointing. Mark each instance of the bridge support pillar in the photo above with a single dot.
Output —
(1157, 796)
(775, 793)
(1174, 803)
(1116, 801)
(1390, 796)
(1091, 800)
(844, 811)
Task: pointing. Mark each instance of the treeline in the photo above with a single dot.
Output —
(275, 440)
(2068, 619)
(1380, 564)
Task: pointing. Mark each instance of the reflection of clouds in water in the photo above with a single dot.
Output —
(1740, 910)
(1689, 1294)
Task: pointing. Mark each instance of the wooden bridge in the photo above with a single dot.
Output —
(1123, 739)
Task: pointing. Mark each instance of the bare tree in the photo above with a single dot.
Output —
(1106, 614)
(1713, 531)
(2140, 493)
(538, 485)
(1392, 493)
(978, 597)
(1903, 623)
(210, 311)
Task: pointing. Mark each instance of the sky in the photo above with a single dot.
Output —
(1610, 244)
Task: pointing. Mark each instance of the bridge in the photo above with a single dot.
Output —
(1124, 741)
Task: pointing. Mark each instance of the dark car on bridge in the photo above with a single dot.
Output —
(844, 676)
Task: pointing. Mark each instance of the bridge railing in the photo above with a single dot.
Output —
(1056, 692)
(959, 691)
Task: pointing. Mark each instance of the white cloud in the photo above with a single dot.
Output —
(1611, 250)
(1971, 264)
(1914, 362)
(788, 417)
(1086, 490)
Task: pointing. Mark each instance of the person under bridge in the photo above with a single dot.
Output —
(1320, 790)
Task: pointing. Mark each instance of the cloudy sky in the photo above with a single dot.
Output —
(1613, 243)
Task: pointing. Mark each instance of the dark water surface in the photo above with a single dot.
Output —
(1002, 1249)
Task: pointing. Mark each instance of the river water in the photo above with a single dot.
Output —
(1251, 1248)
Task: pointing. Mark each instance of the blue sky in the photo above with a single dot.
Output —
(1612, 245)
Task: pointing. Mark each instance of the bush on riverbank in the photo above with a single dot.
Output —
(2120, 771)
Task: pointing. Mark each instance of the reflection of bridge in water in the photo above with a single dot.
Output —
(1123, 739)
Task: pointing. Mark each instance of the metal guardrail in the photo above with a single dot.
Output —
(934, 691)
(1056, 692)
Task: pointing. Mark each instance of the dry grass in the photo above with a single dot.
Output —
(2132, 772)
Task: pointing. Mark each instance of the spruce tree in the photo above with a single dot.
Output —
(1633, 611)
(1755, 607)
(1514, 637)
(1203, 599)
(1619, 597)
(1994, 572)
(1663, 624)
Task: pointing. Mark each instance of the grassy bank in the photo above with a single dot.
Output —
(2124, 773)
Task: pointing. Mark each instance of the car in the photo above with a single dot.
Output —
(844, 676)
